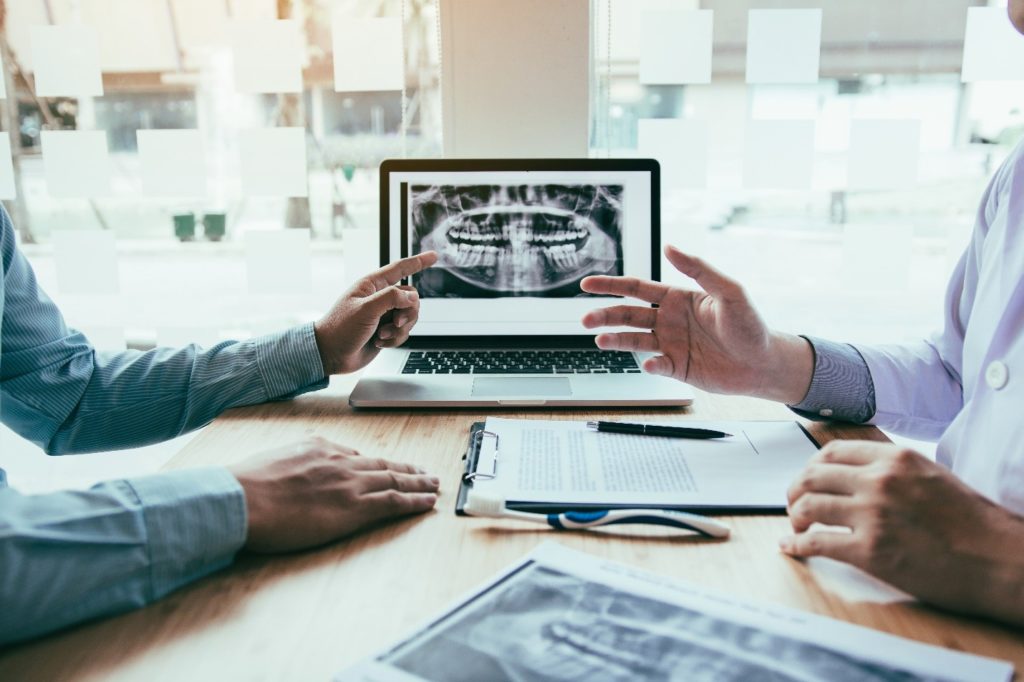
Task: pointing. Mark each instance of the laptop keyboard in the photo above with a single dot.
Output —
(521, 362)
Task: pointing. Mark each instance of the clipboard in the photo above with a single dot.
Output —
(478, 436)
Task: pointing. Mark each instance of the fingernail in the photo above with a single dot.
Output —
(384, 334)
(420, 471)
(786, 544)
(400, 322)
(378, 344)
(435, 480)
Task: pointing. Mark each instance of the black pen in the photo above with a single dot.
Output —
(652, 430)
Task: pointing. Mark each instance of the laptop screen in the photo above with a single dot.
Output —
(515, 238)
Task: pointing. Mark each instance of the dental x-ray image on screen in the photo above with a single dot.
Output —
(515, 240)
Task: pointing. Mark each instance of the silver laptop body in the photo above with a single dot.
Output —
(500, 313)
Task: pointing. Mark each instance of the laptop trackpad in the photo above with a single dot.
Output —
(521, 386)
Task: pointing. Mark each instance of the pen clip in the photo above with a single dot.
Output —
(476, 474)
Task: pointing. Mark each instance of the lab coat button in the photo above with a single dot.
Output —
(997, 375)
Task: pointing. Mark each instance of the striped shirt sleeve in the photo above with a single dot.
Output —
(59, 392)
(841, 388)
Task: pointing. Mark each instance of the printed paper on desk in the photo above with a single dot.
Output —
(676, 47)
(273, 162)
(173, 163)
(783, 45)
(562, 615)
(86, 262)
(268, 55)
(66, 61)
(353, 39)
(681, 146)
(565, 463)
(76, 163)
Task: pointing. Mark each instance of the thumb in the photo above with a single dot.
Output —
(710, 279)
(389, 299)
(660, 365)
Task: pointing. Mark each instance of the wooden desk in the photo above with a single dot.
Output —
(305, 616)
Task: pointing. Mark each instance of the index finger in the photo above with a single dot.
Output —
(394, 273)
(633, 287)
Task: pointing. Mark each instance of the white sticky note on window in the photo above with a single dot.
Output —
(273, 162)
(8, 190)
(76, 163)
(993, 49)
(86, 262)
(66, 61)
(877, 258)
(354, 39)
(680, 146)
(779, 155)
(173, 163)
(783, 45)
(278, 262)
(676, 47)
(883, 154)
(267, 55)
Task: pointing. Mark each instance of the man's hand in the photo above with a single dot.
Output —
(912, 523)
(713, 339)
(309, 494)
(373, 314)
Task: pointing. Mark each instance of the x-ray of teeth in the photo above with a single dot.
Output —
(542, 625)
(515, 240)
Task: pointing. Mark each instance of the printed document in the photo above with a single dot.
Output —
(565, 462)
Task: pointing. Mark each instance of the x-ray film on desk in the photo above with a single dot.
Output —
(561, 615)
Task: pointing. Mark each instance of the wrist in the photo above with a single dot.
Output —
(998, 576)
(325, 360)
(788, 370)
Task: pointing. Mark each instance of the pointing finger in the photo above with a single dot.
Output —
(395, 272)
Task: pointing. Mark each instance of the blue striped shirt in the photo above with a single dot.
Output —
(72, 556)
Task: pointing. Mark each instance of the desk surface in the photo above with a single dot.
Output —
(306, 616)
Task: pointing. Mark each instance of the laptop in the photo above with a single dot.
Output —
(500, 316)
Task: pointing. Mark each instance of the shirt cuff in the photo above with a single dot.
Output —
(841, 388)
(289, 362)
(196, 522)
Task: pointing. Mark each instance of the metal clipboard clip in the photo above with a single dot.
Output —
(478, 443)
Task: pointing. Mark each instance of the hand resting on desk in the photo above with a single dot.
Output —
(311, 493)
(912, 523)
